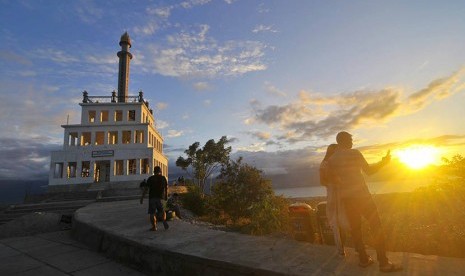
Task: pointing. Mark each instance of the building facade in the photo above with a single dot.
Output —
(116, 142)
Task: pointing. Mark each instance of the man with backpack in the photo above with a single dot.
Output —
(157, 187)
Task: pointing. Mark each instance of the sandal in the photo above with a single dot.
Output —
(390, 267)
(368, 262)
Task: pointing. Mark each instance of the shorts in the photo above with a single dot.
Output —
(155, 205)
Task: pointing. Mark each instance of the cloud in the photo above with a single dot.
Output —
(25, 158)
(285, 168)
(161, 106)
(196, 54)
(262, 8)
(175, 133)
(312, 115)
(163, 12)
(161, 124)
(255, 147)
(55, 55)
(438, 89)
(192, 3)
(42, 112)
(264, 29)
(88, 12)
(207, 102)
(263, 136)
(148, 29)
(272, 90)
(201, 86)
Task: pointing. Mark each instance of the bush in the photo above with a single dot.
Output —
(244, 197)
(194, 200)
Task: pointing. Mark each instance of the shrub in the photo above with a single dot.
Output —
(248, 200)
(194, 200)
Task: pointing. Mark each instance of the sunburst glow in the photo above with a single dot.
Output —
(418, 157)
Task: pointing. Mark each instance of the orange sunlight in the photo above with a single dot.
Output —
(417, 157)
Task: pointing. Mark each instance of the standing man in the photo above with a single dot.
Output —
(157, 186)
(346, 166)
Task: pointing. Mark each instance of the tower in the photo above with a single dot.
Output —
(123, 75)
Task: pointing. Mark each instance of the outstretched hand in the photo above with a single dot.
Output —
(387, 157)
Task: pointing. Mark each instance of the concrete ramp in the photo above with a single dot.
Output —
(120, 230)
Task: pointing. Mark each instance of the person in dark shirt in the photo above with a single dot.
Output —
(157, 187)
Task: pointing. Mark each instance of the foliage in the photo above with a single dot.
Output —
(455, 166)
(247, 199)
(194, 200)
(205, 161)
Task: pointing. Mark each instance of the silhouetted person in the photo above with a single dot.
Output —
(157, 187)
(346, 165)
(333, 209)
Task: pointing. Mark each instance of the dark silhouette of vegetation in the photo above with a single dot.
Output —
(244, 199)
(203, 162)
(241, 198)
(194, 200)
(455, 166)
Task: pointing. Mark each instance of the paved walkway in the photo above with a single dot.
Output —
(55, 253)
(120, 230)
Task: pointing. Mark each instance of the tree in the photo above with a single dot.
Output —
(242, 192)
(204, 161)
(455, 166)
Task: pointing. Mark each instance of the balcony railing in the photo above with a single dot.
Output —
(114, 98)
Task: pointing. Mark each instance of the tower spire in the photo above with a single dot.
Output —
(123, 75)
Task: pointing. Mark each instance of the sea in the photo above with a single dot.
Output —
(379, 187)
(13, 192)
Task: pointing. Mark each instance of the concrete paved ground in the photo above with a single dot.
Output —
(120, 230)
(55, 253)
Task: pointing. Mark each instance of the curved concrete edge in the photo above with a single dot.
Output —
(152, 260)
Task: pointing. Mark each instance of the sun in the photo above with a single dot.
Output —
(418, 157)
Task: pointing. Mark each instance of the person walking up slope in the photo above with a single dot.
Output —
(157, 187)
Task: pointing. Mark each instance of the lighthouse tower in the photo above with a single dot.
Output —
(116, 144)
(124, 60)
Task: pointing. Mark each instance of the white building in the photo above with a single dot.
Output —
(115, 145)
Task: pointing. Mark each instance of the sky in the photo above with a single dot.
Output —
(278, 78)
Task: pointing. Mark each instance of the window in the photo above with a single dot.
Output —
(92, 114)
(139, 136)
(118, 116)
(132, 166)
(58, 170)
(73, 139)
(119, 169)
(126, 137)
(131, 115)
(71, 170)
(85, 169)
(104, 116)
(144, 166)
(99, 137)
(113, 137)
(85, 139)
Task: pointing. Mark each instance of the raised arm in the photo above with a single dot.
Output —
(373, 168)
